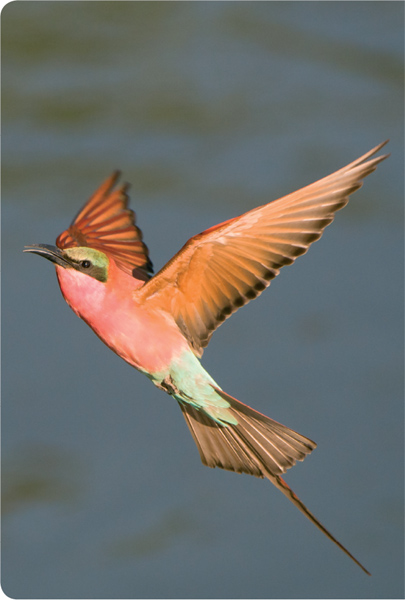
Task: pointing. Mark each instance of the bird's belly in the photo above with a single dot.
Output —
(147, 339)
(148, 342)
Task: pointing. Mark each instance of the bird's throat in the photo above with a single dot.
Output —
(147, 339)
(83, 294)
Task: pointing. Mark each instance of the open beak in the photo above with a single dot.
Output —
(52, 253)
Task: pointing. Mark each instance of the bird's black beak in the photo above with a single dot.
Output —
(52, 253)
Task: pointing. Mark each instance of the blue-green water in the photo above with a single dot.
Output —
(209, 109)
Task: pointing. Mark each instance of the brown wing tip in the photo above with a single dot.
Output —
(377, 149)
(106, 223)
(382, 144)
(124, 187)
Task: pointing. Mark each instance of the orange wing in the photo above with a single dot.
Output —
(106, 223)
(223, 268)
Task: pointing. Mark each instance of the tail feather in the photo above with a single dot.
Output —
(258, 446)
(287, 491)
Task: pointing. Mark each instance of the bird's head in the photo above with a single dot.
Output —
(88, 261)
(103, 241)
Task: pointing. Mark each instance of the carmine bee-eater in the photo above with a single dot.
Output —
(161, 324)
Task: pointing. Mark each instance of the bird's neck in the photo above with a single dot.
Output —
(84, 294)
(129, 328)
(89, 297)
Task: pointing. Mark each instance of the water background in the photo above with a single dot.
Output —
(209, 109)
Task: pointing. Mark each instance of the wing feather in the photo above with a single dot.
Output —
(106, 223)
(224, 267)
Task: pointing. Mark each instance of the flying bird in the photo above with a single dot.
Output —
(160, 324)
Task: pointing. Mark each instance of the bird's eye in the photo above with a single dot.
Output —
(86, 264)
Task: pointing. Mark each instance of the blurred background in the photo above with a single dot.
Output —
(209, 109)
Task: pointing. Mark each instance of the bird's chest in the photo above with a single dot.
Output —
(146, 339)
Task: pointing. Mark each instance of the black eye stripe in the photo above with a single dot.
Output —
(89, 267)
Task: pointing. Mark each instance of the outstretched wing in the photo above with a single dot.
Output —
(218, 271)
(106, 223)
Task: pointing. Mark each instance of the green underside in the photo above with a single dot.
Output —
(191, 384)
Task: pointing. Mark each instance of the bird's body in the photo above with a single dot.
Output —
(147, 340)
(160, 325)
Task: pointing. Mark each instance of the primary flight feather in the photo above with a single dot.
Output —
(161, 324)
